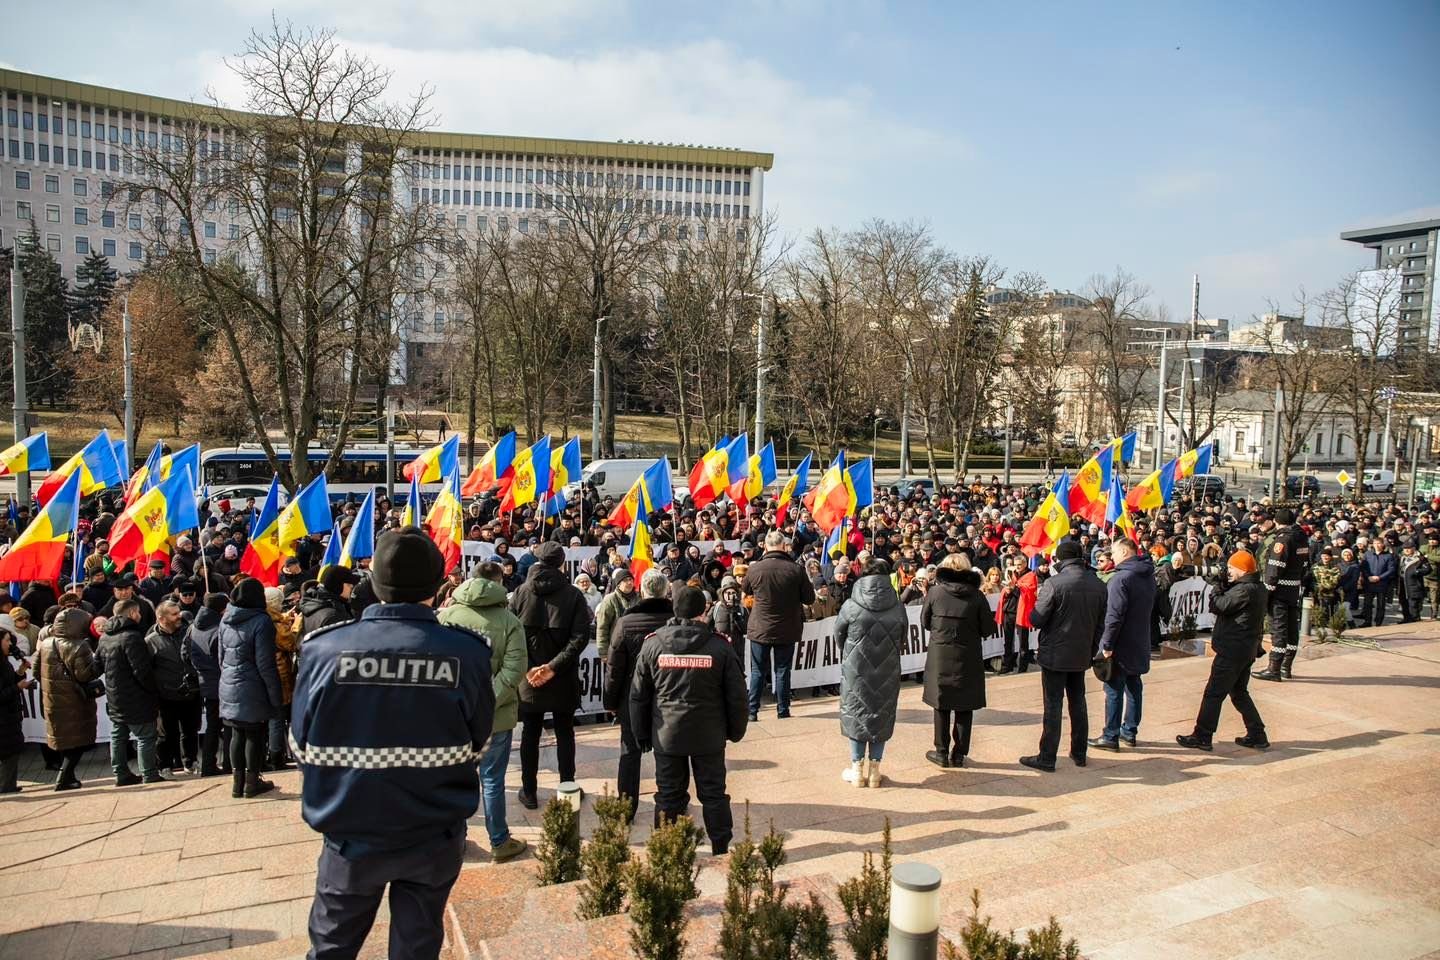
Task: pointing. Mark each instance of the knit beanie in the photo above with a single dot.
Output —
(1067, 550)
(333, 577)
(407, 567)
(689, 603)
(249, 594)
(217, 602)
(550, 553)
(1242, 560)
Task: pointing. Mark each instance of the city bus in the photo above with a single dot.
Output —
(244, 471)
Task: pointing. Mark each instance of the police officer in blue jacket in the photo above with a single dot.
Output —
(390, 713)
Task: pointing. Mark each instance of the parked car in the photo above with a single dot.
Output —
(911, 485)
(1374, 481)
(1200, 486)
(1298, 486)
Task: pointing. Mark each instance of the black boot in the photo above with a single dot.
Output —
(1271, 672)
(1194, 741)
(1288, 663)
(276, 761)
(237, 784)
(254, 785)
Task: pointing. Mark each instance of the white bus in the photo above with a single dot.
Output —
(244, 471)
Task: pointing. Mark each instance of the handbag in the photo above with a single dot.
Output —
(1103, 667)
(94, 689)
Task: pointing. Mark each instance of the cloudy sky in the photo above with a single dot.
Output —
(1231, 140)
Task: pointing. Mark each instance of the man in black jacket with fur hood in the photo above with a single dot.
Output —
(687, 699)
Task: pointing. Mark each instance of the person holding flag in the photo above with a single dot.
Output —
(262, 558)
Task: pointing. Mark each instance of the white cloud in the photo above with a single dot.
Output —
(836, 151)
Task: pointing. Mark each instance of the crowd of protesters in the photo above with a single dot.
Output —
(197, 662)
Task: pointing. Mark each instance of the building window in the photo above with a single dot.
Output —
(135, 221)
(52, 213)
(234, 231)
(210, 230)
(82, 246)
(134, 252)
(209, 255)
(52, 242)
(108, 247)
(22, 210)
(82, 217)
(22, 180)
(82, 188)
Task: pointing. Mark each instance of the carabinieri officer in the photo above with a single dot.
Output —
(390, 713)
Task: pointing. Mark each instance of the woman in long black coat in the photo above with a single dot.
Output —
(958, 619)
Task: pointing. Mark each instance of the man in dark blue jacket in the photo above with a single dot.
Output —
(390, 713)
(1377, 574)
(1125, 641)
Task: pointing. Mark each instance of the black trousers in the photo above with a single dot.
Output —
(1229, 677)
(1373, 603)
(1284, 625)
(69, 760)
(179, 732)
(532, 725)
(247, 750)
(1011, 633)
(953, 725)
(348, 892)
(672, 792)
(1057, 686)
(215, 742)
(627, 781)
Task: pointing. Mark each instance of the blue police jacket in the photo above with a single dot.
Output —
(390, 713)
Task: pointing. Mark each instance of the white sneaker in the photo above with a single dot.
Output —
(854, 774)
(874, 777)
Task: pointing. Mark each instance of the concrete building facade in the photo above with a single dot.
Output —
(1409, 249)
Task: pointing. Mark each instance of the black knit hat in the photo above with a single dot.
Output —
(689, 603)
(249, 594)
(550, 554)
(217, 602)
(1067, 550)
(407, 567)
(333, 577)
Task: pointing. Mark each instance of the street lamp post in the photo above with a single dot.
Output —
(595, 393)
(1009, 426)
(17, 344)
(129, 386)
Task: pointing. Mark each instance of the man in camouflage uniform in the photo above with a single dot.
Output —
(1286, 553)
(1326, 575)
(1431, 552)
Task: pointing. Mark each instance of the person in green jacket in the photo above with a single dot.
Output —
(479, 604)
(619, 600)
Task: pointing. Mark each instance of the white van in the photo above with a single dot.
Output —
(1377, 481)
(614, 478)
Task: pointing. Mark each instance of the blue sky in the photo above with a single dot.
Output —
(1231, 140)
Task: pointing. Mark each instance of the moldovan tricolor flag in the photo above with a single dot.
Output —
(307, 513)
(1051, 522)
(1087, 495)
(95, 464)
(412, 514)
(531, 475)
(437, 463)
(795, 486)
(833, 499)
(32, 453)
(445, 524)
(360, 543)
(642, 551)
(1154, 491)
(261, 559)
(564, 470)
(1194, 461)
(159, 515)
(491, 468)
(1117, 515)
(760, 472)
(710, 475)
(39, 553)
(1120, 450)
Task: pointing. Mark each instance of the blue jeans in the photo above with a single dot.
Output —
(1116, 689)
(492, 785)
(146, 735)
(763, 657)
(857, 750)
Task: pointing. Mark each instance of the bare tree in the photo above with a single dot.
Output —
(1117, 308)
(1299, 370)
(1366, 306)
(475, 337)
(311, 174)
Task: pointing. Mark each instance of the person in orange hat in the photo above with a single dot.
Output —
(1239, 608)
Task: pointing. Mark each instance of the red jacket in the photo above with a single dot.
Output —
(1029, 587)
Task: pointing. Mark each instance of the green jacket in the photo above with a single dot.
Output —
(1433, 555)
(480, 605)
(611, 609)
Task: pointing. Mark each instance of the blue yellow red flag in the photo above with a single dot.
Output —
(32, 453)
(1117, 514)
(493, 466)
(413, 512)
(794, 487)
(332, 548)
(39, 552)
(833, 499)
(308, 513)
(531, 475)
(262, 559)
(862, 478)
(1051, 522)
(642, 551)
(156, 518)
(360, 542)
(1154, 491)
(438, 462)
(1087, 495)
(96, 465)
(446, 521)
(564, 470)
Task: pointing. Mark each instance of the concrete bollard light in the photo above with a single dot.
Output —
(914, 912)
(569, 791)
(1307, 607)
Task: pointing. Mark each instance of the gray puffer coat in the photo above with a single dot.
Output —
(870, 631)
(249, 681)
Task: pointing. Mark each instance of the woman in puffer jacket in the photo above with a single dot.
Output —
(870, 631)
(250, 691)
(64, 663)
